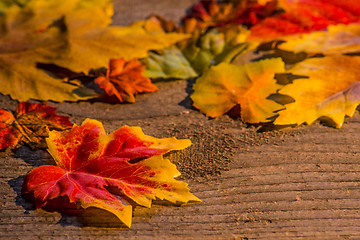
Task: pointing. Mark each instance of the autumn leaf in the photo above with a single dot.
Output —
(169, 63)
(124, 79)
(4, 4)
(107, 171)
(223, 86)
(212, 14)
(330, 90)
(192, 56)
(119, 83)
(21, 45)
(209, 12)
(31, 34)
(215, 46)
(93, 47)
(29, 125)
(336, 39)
(157, 24)
(65, 33)
(303, 16)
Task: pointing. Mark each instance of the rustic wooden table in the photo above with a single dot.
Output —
(301, 183)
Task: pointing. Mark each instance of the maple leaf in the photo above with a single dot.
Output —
(65, 33)
(124, 80)
(223, 86)
(94, 47)
(29, 125)
(304, 16)
(336, 39)
(105, 171)
(328, 91)
(21, 46)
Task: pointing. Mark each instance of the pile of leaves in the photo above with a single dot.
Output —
(51, 50)
(282, 63)
(279, 63)
(64, 35)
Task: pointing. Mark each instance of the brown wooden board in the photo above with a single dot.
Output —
(300, 183)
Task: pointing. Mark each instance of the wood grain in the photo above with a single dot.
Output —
(299, 184)
(305, 187)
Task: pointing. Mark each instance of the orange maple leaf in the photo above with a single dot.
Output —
(109, 172)
(124, 79)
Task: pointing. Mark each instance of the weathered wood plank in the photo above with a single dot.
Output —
(298, 184)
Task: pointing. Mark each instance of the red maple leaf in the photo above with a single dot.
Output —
(124, 79)
(29, 125)
(303, 16)
(107, 171)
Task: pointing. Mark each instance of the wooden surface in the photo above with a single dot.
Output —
(300, 183)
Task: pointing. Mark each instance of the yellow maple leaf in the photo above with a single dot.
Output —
(337, 39)
(23, 42)
(223, 86)
(327, 92)
(95, 44)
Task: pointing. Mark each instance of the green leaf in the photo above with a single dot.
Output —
(171, 63)
(215, 46)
